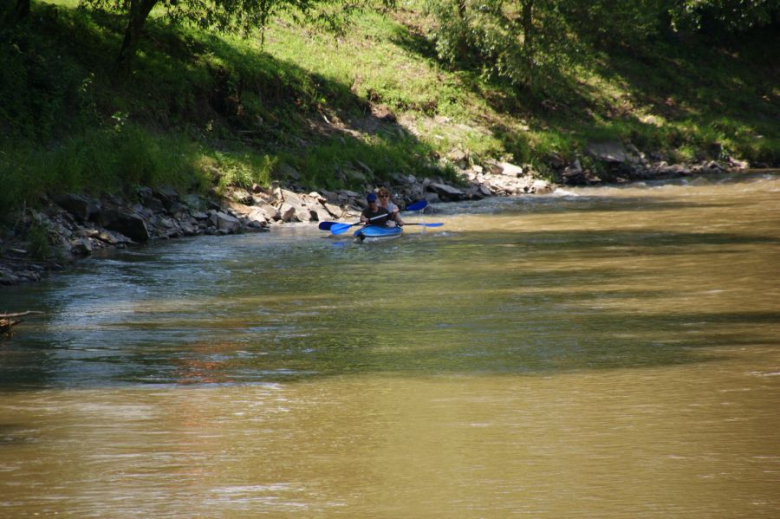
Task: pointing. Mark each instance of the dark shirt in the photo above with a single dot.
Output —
(381, 213)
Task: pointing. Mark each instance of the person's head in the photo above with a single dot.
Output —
(371, 199)
(384, 194)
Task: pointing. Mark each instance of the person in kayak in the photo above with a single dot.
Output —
(394, 210)
(373, 214)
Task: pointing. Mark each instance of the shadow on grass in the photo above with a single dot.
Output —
(227, 98)
(672, 96)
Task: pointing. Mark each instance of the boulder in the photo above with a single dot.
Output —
(289, 213)
(485, 190)
(257, 215)
(511, 170)
(111, 238)
(225, 223)
(188, 228)
(195, 202)
(492, 167)
(607, 152)
(81, 247)
(129, 224)
(334, 210)
(291, 198)
(541, 187)
(445, 191)
(242, 196)
(169, 198)
(81, 207)
(271, 212)
(318, 214)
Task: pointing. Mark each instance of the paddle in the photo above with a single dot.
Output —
(344, 227)
(340, 228)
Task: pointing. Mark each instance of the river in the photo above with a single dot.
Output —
(608, 352)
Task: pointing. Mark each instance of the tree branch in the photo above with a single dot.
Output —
(22, 314)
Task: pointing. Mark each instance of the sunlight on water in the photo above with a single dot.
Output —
(599, 352)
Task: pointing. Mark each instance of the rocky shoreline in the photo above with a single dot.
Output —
(72, 226)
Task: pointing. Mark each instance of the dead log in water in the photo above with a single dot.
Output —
(8, 321)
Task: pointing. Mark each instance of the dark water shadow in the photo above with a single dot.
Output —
(13, 434)
(444, 316)
(523, 335)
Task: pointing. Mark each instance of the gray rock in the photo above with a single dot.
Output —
(511, 170)
(241, 196)
(318, 213)
(194, 202)
(446, 192)
(607, 151)
(131, 225)
(81, 207)
(81, 247)
(187, 228)
(288, 213)
(334, 210)
(485, 190)
(167, 194)
(257, 215)
(541, 187)
(225, 223)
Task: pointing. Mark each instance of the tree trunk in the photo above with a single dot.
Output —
(528, 24)
(528, 33)
(22, 9)
(139, 12)
(463, 44)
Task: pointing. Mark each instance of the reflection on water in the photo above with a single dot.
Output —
(602, 352)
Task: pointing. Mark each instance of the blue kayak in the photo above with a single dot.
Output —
(375, 233)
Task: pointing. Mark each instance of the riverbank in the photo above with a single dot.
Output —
(70, 227)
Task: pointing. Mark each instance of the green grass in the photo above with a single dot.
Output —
(196, 102)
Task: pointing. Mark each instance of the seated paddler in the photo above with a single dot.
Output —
(374, 214)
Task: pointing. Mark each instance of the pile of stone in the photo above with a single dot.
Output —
(279, 205)
(618, 163)
(77, 225)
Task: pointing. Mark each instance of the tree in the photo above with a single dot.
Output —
(732, 16)
(22, 9)
(519, 41)
(13, 13)
(616, 22)
(221, 15)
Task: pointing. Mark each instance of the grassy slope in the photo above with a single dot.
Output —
(197, 102)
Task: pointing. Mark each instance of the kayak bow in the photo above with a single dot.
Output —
(376, 233)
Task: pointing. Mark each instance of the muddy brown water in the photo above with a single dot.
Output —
(600, 352)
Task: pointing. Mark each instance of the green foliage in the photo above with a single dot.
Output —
(99, 161)
(241, 170)
(716, 16)
(524, 43)
(609, 23)
(224, 16)
(38, 241)
(390, 96)
(347, 157)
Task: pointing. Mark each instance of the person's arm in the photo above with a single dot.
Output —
(396, 215)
